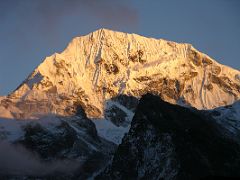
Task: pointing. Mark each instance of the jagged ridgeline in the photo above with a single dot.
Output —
(105, 70)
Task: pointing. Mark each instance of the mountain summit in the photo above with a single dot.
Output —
(102, 70)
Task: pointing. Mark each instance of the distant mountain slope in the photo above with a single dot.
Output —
(97, 68)
(167, 141)
(54, 147)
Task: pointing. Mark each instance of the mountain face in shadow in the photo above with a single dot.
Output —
(167, 141)
(52, 147)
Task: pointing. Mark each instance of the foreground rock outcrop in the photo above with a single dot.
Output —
(167, 141)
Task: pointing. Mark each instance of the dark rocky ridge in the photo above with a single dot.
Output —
(171, 142)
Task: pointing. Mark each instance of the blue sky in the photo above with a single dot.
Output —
(30, 30)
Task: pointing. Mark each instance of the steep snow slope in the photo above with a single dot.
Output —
(97, 68)
(229, 117)
(109, 131)
(167, 141)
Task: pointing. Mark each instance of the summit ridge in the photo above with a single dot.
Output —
(103, 65)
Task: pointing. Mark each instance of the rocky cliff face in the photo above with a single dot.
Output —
(171, 142)
(99, 67)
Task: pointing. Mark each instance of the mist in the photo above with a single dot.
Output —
(18, 161)
(45, 17)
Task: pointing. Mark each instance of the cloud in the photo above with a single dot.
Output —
(47, 14)
(18, 161)
(26, 20)
(109, 11)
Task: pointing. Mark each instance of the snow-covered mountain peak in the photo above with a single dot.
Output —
(97, 68)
